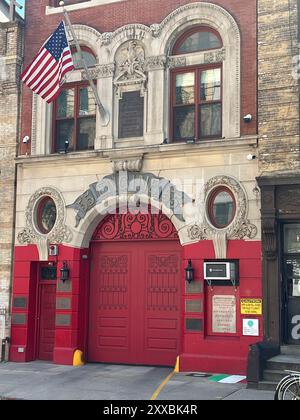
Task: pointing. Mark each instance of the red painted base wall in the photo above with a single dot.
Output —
(201, 351)
(210, 352)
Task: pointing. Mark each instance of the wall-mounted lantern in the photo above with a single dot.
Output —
(64, 272)
(189, 272)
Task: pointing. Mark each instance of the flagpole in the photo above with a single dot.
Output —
(104, 114)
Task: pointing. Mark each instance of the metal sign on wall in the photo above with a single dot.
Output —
(224, 314)
(251, 306)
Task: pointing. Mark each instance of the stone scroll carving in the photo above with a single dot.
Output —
(60, 233)
(240, 228)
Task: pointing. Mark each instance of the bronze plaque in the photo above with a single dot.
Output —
(19, 319)
(194, 288)
(64, 286)
(63, 303)
(63, 320)
(131, 115)
(194, 306)
(20, 302)
(194, 324)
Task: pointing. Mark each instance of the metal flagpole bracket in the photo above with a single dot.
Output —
(103, 112)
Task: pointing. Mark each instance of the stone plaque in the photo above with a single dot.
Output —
(64, 286)
(63, 303)
(194, 306)
(131, 115)
(63, 320)
(224, 314)
(18, 319)
(194, 324)
(194, 288)
(20, 302)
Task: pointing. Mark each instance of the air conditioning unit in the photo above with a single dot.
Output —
(223, 271)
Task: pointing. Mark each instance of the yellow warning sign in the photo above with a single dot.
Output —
(251, 306)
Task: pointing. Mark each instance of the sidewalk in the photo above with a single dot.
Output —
(44, 381)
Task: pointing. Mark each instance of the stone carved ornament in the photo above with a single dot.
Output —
(240, 228)
(60, 232)
(132, 184)
(130, 65)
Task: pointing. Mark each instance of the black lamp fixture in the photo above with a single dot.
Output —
(64, 272)
(189, 272)
(67, 144)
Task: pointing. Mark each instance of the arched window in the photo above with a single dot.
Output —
(195, 40)
(88, 57)
(196, 91)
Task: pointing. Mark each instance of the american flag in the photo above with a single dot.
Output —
(45, 74)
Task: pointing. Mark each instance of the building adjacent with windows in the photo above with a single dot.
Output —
(279, 169)
(11, 50)
(138, 235)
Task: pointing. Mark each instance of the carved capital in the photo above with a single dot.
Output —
(175, 62)
(100, 71)
(155, 63)
(215, 56)
(269, 231)
(129, 165)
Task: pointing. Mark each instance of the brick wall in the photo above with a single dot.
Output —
(278, 90)
(111, 16)
(11, 41)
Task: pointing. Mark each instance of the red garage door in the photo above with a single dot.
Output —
(135, 297)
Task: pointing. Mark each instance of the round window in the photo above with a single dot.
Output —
(221, 207)
(46, 215)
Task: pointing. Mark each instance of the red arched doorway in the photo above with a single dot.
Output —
(135, 291)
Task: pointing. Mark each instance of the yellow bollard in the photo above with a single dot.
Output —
(78, 358)
(177, 366)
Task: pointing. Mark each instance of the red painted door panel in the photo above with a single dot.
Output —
(47, 321)
(135, 302)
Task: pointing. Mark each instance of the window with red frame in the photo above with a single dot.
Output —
(74, 119)
(221, 207)
(197, 91)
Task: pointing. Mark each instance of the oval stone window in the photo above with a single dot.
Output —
(46, 215)
(221, 207)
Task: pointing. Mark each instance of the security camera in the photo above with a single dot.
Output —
(248, 118)
(251, 157)
(26, 139)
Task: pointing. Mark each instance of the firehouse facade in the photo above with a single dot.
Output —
(138, 234)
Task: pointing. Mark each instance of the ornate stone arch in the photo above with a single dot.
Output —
(214, 16)
(84, 234)
(87, 36)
